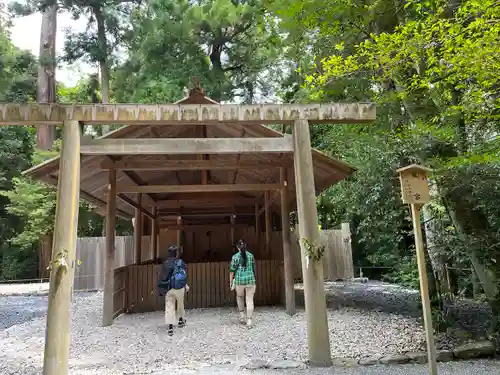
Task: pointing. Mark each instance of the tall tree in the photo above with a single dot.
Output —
(107, 22)
(46, 85)
(431, 67)
(232, 46)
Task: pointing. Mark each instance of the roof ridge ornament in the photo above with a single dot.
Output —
(196, 91)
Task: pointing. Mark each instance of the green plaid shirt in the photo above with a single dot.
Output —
(243, 275)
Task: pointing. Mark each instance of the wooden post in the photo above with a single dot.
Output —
(138, 230)
(348, 266)
(424, 288)
(267, 218)
(57, 336)
(312, 270)
(154, 234)
(257, 227)
(233, 221)
(415, 192)
(109, 265)
(179, 232)
(287, 253)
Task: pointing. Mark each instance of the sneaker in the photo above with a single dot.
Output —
(182, 322)
(249, 322)
(170, 330)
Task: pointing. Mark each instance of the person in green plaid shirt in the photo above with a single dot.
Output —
(242, 278)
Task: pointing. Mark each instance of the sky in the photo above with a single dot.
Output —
(25, 34)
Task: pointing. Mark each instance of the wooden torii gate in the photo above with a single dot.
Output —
(74, 116)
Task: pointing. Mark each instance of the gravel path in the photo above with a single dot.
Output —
(380, 296)
(213, 341)
(139, 342)
(452, 368)
(20, 309)
(24, 289)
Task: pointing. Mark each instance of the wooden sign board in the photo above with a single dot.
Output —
(414, 185)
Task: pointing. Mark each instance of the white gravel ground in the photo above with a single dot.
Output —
(24, 289)
(138, 344)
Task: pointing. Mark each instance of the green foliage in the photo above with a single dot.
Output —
(34, 203)
(429, 67)
(17, 72)
(232, 47)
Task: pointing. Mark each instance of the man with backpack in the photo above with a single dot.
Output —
(173, 284)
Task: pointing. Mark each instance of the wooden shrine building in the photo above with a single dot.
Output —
(195, 173)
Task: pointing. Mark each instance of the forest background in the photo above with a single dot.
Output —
(432, 67)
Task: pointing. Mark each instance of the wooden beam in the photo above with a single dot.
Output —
(287, 245)
(109, 274)
(183, 146)
(133, 204)
(194, 165)
(201, 227)
(195, 114)
(135, 179)
(218, 202)
(62, 265)
(52, 181)
(312, 270)
(196, 188)
(206, 214)
(138, 231)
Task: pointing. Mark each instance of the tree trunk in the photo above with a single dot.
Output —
(103, 61)
(46, 84)
(215, 59)
(435, 256)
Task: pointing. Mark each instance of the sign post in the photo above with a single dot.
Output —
(415, 192)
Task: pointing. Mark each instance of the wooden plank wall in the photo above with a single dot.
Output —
(200, 246)
(44, 255)
(209, 286)
(337, 263)
(90, 255)
(216, 246)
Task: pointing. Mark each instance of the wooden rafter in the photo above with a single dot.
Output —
(133, 204)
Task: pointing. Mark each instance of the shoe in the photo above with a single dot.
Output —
(243, 318)
(249, 322)
(182, 322)
(170, 330)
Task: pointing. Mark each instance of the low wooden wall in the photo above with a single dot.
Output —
(120, 291)
(208, 282)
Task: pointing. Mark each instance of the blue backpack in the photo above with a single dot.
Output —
(178, 280)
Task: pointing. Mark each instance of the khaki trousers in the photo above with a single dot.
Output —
(172, 298)
(244, 294)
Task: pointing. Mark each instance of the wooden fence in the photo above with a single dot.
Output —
(90, 254)
(337, 261)
(208, 282)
